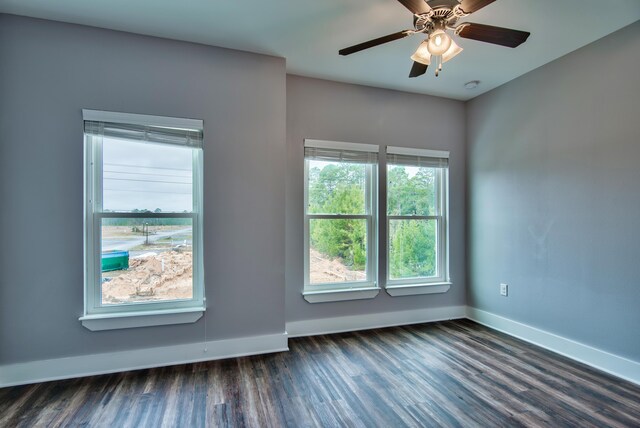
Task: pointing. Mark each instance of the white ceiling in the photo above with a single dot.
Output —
(309, 34)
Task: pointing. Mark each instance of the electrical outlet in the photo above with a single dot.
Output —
(504, 290)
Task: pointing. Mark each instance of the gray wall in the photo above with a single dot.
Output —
(554, 196)
(48, 73)
(325, 110)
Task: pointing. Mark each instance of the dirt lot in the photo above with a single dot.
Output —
(151, 277)
(168, 276)
(323, 269)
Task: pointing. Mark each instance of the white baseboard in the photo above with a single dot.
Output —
(95, 364)
(601, 360)
(369, 321)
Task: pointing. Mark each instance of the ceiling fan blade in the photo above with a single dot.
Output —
(417, 7)
(418, 69)
(470, 6)
(375, 42)
(496, 35)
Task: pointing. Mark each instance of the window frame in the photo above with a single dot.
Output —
(351, 289)
(94, 311)
(441, 281)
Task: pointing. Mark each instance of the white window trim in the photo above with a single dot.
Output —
(424, 285)
(416, 289)
(141, 119)
(330, 292)
(145, 314)
(341, 295)
(121, 320)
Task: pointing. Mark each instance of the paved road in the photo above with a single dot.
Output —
(126, 244)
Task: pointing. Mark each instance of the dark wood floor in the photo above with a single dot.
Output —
(455, 373)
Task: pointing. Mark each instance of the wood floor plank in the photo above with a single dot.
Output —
(452, 374)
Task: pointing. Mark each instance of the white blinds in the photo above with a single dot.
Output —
(417, 157)
(330, 151)
(156, 134)
(139, 127)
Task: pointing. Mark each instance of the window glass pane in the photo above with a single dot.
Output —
(146, 260)
(146, 177)
(412, 248)
(411, 190)
(338, 250)
(336, 188)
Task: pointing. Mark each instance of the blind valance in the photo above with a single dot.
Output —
(333, 151)
(417, 157)
(142, 127)
(135, 132)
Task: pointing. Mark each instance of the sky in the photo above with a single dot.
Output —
(146, 176)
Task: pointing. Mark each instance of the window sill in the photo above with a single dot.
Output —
(340, 295)
(414, 289)
(114, 321)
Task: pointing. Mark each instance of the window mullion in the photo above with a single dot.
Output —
(338, 216)
(110, 214)
(96, 207)
(368, 208)
(413, 217)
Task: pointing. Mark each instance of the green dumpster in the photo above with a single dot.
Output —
(115, 260)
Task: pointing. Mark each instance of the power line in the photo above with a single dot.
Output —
(150, 167)
(148, 191)
(146, 181)
(147, 173)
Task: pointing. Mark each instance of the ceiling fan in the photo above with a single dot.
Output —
(434, 18)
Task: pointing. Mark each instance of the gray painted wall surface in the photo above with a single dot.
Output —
(48, 73)
(554, 196)
(325, 110)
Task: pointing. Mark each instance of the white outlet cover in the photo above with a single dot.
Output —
(504, 289)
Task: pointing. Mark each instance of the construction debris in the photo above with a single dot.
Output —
(151, 277)
(169, 276)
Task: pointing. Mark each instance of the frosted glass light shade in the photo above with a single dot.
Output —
(422, 54)
(453, 50)
(439, 42)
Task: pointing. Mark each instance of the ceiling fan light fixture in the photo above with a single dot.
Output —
(432, 18)
(439, 42)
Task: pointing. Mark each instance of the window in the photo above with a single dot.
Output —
(143, 220)
(417, 221)
(340, 220)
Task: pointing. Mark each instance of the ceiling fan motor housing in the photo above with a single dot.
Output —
(440, 17)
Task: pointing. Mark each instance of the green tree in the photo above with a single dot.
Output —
(337, 188)
(412, 249)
